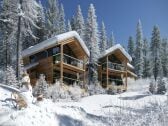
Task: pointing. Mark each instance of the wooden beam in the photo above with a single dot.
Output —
(107, 76)
(61, 65)
(84, 83)
(126, 81)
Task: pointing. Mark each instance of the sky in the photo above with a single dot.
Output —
(121, 16)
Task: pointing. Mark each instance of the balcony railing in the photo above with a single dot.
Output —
(114, 83)
(114, 66)
(68, 60)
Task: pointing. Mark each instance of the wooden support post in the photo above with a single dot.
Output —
(84, 67)
(126, 74)
(61, 64)
(107, 76)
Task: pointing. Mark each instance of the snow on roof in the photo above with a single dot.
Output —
(30, 65)
(114, 48)
(52, 41)
(130, 66)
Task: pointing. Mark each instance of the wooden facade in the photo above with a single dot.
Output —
(65, 61)
(114, 71)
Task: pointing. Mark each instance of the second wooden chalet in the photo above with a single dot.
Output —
(62, 57)
(115, 68)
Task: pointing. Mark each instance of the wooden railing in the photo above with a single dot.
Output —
(114, 66)
(114, 83)
(68, 60)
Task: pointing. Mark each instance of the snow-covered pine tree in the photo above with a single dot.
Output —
(161, 86)
(92, 37)
(10, 77)
(52, 17)
(8, 19)
(69, 28)
(131, 49)
(41, 86)
(73, 22)
(152, 87)
(139, 61)
(155, 48)
(27, 17)
(164, 55)
(147, 67)
(79, 23)
(41, 33)
(111, 40)
(62, 27)
(103, 38)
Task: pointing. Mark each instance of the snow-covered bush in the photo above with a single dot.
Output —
(41, 87)
(57, 92)
(152, 88)
(161, 86)
(10, 77)
(96, 89)
(75, 92)
(2, 75)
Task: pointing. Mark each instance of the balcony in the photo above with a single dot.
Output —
(113, 66)
(68, 60)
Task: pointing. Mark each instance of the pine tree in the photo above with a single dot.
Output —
(103, 38)
(161, 86)
(147, 68)
(10, 78)
(164, 57)
(62, 20)
(21, 15)
(131, 49)
(155, 48)
(111, 41)
(73, 22)
(52, 16)
(79, 23)
(41, 86)
(92, 38)
(41, 32)
(69, 28)
(139, 51)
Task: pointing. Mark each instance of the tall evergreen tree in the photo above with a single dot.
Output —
(21, 15)
(62, 27)
(79, 23)
(131, 49)
(41, 32)
(156, 53)
(164, 57)
(73, 22)
(111, 40)
(92, 38)
(52, 18)
(139, 61)
(147, 68)
(69, 28)
(103, 38)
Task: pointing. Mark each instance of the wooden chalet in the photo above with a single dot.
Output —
(62, 57)
(115, 68)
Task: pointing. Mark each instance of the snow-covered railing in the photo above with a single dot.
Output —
(69, 60)
(114, 66)
(69, 80)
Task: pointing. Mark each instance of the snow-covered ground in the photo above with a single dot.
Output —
(96, 110)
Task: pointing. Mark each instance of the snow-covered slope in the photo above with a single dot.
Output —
(96, 110)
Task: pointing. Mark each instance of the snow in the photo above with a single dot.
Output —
(114, 48)
(53, 41)
(30, 65)
(130, 65)
(89, 111)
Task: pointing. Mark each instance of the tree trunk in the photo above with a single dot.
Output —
(18, 44)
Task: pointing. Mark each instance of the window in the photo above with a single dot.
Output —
(56, 50)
